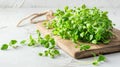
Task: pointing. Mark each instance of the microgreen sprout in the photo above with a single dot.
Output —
(101, 58)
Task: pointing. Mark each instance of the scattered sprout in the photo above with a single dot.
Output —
(4, 47)
(100, 58)
(23, 42)
(12, 42)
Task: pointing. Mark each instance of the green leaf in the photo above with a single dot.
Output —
(52, 41)
(106, 41)
(12, 42)
(46, 53)
(101, 58)
(66, 8)
(94, 41)
(46, 45)
(82, 34)
(91, 37)
(40, 54)
(83, 6)
(56, 52)
(47, 37)
(84, 47)
(32, 42)
(42, 41)
(23, 42)
(51, 46)
(97, 61)
(4, 47)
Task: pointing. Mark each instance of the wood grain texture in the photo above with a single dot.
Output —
(69, 47)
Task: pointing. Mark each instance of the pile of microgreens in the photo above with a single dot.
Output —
(82, 24)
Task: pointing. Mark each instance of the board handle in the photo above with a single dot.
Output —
(48, 14)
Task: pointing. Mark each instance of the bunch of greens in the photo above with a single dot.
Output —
(82, 24)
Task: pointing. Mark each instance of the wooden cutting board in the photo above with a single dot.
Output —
(69, 47)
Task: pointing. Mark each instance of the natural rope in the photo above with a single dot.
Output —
(48, 14)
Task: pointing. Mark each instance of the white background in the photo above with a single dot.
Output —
(12, 11)
(58, 3)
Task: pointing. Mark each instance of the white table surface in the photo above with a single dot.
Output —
(28, 56)
(58, 3)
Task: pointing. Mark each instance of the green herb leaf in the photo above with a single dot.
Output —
(32, 42)
(95, 63)
(84, 47)
(40, 54)
(94, 41)
(4, 47)
(100, 58)
(56, 52)
(12, 42)
(23, 42)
